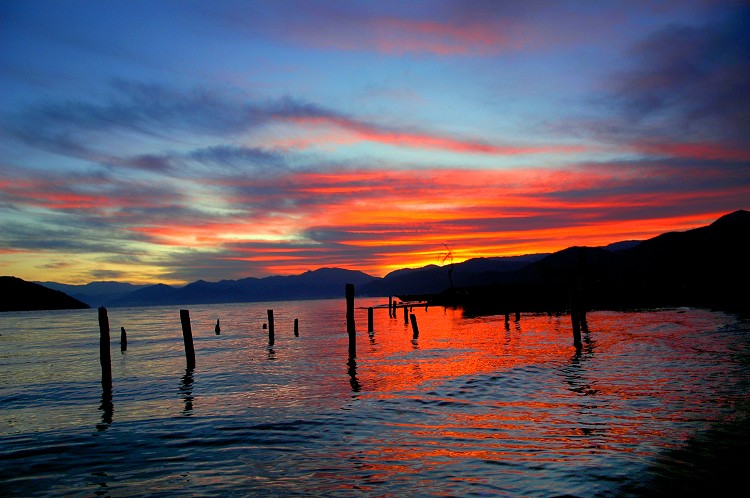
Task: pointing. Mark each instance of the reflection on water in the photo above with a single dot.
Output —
(352, 371)
(107, 408)
(474, 405)
(186, 391)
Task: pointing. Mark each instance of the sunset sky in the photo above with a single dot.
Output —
(171, 141)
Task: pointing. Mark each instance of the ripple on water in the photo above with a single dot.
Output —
(470, 407)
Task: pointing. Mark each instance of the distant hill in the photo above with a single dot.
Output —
(703, 267)
(95, 293)
(20, 295)
(318, 284)
(433, 279)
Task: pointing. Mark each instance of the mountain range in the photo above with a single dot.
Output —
(706, 266)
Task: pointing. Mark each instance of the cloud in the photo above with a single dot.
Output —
(434, 28)
(360, 218)
(136, 114)
(685, 94)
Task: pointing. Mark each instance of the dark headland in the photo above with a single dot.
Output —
(707, 267)
(20, 295)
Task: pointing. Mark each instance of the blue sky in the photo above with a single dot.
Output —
(170, 141)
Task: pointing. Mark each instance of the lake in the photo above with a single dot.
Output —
(655, 403)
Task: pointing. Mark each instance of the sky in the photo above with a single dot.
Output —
(172, 141)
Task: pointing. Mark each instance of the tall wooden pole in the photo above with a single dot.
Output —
(187, 335)
(270, 327)
(123, 339)
(370, 326)
(414, 327)
(105, 357)
(350, 328)
(575, 320)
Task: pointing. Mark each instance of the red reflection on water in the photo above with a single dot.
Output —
(472, 390)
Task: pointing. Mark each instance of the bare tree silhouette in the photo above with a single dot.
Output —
(447, 256)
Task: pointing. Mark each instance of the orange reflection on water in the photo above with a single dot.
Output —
(474, 390)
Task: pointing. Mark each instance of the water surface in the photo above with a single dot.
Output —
(656, 402)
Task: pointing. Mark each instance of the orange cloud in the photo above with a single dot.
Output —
(390, 219)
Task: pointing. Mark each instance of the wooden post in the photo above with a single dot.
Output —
(187, 335)
(104, 355)
(414, 327)
(390, 306)
(369, 320)
(217, 329)
(123, 339)
(574, 318)
(350, 327)
(296, 327)
(406, 315)
(270, 327)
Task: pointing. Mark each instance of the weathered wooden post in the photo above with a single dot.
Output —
(217, 329)
(187, 335)
(104, 355)
(574, 318)
(296, 327)
(350, 328)
(123, 340)
(390, 306)
(370, 327)
(414, 327)
(406, 315)
(270, 327)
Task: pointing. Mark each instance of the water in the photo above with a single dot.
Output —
(656, 403)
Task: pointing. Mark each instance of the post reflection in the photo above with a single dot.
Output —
(107, 408)
(352, 371)
(573, 372)
(186, 391)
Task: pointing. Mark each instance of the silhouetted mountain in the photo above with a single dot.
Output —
(622, 245)
(20, 295)
(432, 279)
(318, 284)
(704, 267)
(95, 293)
(149, 296)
